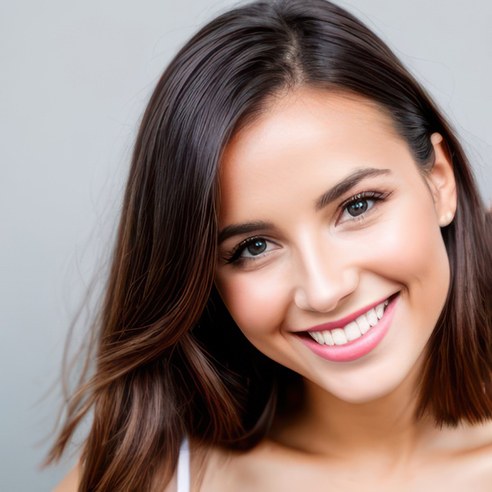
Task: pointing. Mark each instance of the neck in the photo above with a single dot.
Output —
(385, 427)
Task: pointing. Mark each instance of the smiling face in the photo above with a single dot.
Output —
(327, 225)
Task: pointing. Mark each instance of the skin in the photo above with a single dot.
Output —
(313, 265)
(321, 265)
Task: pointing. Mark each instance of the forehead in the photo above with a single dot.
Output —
(309, 112)
(303, 138)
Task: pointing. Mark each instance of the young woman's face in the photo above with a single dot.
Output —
(327, 225)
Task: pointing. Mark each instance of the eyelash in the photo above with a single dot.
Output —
(234, 256)
(375, 196)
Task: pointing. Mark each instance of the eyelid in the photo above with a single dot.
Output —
(376, 196)
(366, 194)
(234, 256)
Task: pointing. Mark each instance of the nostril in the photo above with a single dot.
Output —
(321, 291)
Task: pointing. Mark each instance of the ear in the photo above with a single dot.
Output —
(441, 182)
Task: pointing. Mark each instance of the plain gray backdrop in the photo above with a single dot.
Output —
(75, 77)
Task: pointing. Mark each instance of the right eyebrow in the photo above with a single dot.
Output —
(246, 228)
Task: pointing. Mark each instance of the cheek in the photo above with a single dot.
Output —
(255, 300)
(411, 251)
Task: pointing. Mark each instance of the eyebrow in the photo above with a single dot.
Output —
(325, 199)
(246, 228)
(346, 184)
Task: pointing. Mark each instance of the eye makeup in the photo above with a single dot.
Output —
(357, 208)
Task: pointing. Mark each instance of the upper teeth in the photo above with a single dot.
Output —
(352, 331)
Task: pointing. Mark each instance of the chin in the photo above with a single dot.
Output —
(361, 396)
(378, 384)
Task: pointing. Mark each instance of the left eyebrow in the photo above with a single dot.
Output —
(346, 184)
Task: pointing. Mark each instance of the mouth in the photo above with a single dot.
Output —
(354, 336)
(353, 329)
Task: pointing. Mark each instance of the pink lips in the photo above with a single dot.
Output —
(359, 347)
(345, 321)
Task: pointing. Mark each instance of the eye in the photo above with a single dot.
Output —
(357, 206)
(249, 249)
(255, 247)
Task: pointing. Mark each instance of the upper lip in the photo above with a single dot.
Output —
(340, 323)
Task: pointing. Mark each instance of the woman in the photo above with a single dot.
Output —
(300, 291)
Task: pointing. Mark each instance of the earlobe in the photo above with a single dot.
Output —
(442, 182)
(446, 219)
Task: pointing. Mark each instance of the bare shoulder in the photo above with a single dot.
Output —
(470, 451)
(473, 439)
(210, 468)
(220, 470)
(481, 448)
(460, 459)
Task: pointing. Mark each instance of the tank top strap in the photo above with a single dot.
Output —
(183, 475)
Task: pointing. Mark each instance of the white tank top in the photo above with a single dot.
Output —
(183, 475)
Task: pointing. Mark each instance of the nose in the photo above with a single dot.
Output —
(324, 279)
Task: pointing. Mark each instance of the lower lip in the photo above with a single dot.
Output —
(357, 348)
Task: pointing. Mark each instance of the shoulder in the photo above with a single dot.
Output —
(215, 469)
(469, 452)
(476, 458)
(480, 449)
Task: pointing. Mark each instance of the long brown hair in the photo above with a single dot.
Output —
(169, 359)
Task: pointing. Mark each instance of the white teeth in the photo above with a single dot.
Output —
(372, 317)
(380, 310)
(328, 337)
(339, 336)
(363, 324)
(352, 331)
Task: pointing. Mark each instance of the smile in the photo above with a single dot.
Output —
(352, 337)
(353, 330)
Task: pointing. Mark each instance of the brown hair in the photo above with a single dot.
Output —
(169, 359)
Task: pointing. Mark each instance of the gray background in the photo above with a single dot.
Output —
(74, 80)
